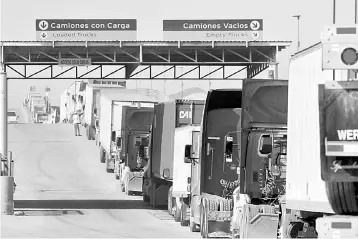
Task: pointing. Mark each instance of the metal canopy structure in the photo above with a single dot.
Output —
(27, 59)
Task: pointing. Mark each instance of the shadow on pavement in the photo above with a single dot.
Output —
(82, 204)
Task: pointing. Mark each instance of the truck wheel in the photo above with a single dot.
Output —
(177, 214)
(183, 211)
(123, 188)
(343, 197)
(117, 176)
(102, 155)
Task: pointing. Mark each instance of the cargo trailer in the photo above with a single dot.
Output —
(158, 175)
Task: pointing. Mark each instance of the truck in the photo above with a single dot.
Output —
(214, 159)
(263, 161)
(134, 153)
(124, 116)
(38, 110)
(172, 125)
(320, 195)
(27, 100)
(92, 106)
(323, 139)
(179, 192)
(75, 91)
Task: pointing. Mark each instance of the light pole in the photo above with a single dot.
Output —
(298, 31)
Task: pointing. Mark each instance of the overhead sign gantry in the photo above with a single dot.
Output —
(46, 60)
(27, 59)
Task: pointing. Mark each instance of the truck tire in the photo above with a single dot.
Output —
(343, 197)
(183, 211)
(177, 214)
(102, 155)
(123, 189)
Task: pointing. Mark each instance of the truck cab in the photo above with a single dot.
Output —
(263, 159)
(131, 163)
(12, 117)
(214, 163)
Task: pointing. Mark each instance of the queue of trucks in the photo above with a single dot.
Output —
(37, 106)
(270, 159)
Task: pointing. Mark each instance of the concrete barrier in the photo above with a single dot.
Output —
(7, 195)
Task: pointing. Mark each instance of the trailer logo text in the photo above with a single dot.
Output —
(337, 164)
(348, 134)
(185, 114)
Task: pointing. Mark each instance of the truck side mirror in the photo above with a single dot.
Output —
(146, 152)
(141, 151)
(166, 173)
(228, 148)
(266, 149)
(119, 142)
(187, 154)
(265, 144)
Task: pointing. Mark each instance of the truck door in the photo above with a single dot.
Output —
(222, 161)
(267, 155)
(132, 149)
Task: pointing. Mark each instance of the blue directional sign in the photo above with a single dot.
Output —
(209, 30)
(86, 29)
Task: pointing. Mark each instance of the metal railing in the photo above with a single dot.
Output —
(7, 165)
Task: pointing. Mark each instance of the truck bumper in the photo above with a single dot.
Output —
(219, 223)
(110, 162)
(135, 181)
(259, 221)
(337, 226)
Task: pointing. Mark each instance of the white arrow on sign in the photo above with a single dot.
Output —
(43, 25)
(255, 35)
(255, 25)
(43, 35)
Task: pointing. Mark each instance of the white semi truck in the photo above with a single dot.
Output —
(114, 127)
(92, 106)
(323, 139)
(172, 125)
(179, 193)
(320, 198)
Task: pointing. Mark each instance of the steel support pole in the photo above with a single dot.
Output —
(3, 111)
(6, 181)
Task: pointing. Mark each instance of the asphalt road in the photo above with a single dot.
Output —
(64, 191)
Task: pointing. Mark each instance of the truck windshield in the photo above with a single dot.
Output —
(11, 113)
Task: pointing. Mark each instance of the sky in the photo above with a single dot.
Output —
(18, 23)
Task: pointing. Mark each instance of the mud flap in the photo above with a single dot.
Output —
(161, 195)
(338, 115)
